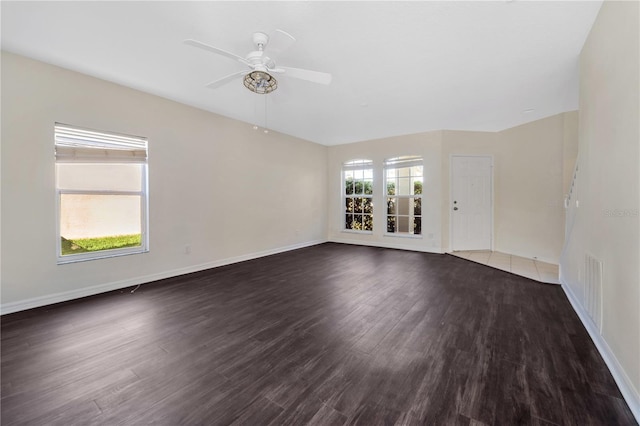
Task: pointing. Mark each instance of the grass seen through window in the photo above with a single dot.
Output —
(85, 245)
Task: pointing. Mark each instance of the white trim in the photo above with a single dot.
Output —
(100, 254)
(629, 393)
(98, 192)
(49, 299)
(403, 235)
(355, 231)
(387, 245)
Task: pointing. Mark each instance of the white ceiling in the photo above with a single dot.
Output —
(398, 67)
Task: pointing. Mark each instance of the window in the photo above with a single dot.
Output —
(357, 177)
(101, 183)
(403, 177)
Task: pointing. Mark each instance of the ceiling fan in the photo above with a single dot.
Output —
(258, 77)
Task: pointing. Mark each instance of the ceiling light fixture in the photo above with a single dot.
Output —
(260, 82)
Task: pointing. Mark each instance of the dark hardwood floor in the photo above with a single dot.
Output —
(327, 335)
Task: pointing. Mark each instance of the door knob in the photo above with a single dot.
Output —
(455, 208)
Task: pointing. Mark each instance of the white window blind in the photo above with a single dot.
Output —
(406, 161)
(357, 164)
(73, 144)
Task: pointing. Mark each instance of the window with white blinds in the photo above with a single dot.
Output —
(101, 184)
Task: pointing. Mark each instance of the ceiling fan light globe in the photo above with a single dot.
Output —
(260, 82)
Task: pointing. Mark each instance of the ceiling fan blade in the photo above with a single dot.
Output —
(200, 45)
(224, 80)
(279, 41)
(313, 76)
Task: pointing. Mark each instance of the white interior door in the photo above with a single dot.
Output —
(471, 202)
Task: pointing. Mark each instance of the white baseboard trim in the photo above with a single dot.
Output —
(385, 245)
(49, 299)
(629, 393)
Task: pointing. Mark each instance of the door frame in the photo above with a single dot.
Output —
(451, 157)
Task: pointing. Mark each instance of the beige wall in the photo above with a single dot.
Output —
(530, 210)
(428, 145)
(606, 222)
(529, 162)
(201, 163)
(215, 184)
(528, 182)
(570, 150)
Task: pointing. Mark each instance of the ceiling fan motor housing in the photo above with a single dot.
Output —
(258, 60)
(260, 40)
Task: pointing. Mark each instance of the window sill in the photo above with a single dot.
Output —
(413, 236)
(353, 231)
(83, 257)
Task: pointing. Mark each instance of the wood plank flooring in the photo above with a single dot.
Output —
(328, 335)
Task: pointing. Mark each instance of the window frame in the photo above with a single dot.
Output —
(395, 163)
(356, 165)
(143, 193)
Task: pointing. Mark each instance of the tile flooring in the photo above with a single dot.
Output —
(530, 268)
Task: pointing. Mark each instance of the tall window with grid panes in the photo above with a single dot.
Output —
(357, 183)
(403, 178)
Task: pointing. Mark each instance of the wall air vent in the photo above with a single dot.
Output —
(593, 289)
